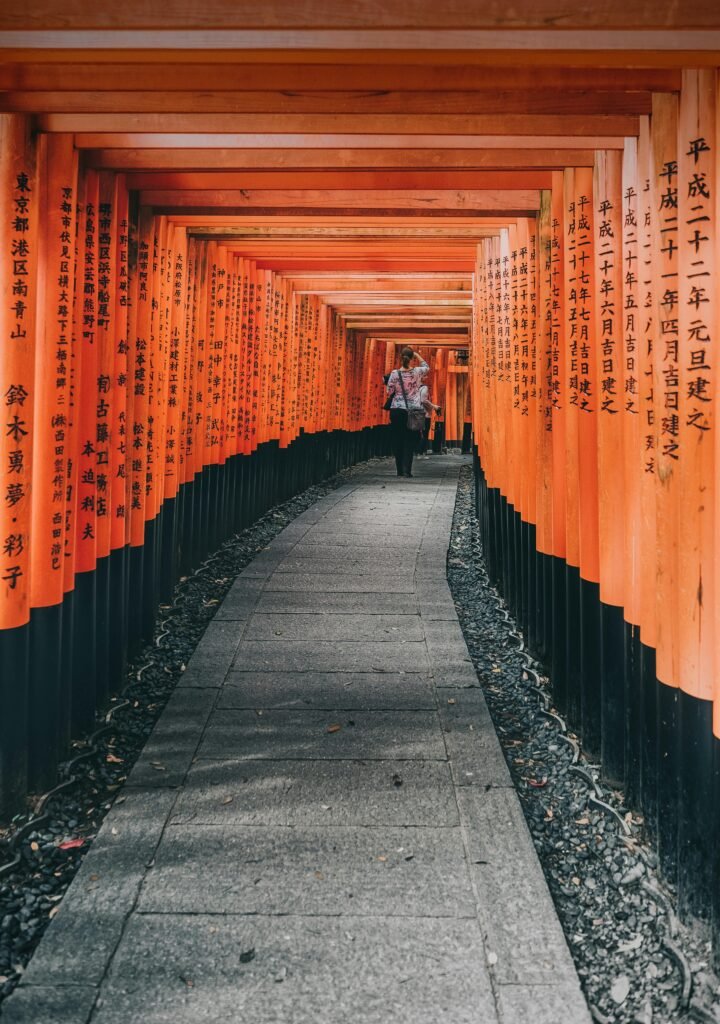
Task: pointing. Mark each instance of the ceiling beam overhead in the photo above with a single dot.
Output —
(242, 75)
(486, 200)
(381, 179)
(493, 124)
(106, 138)
(350, 158)
(368, 104)
(542, 16)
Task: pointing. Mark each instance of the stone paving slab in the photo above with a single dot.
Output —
(325, 793)
(322, 827)
(330, 690)
(397, 872)
(330, 583)
(167, 755)
(319, 970)
(82, 937)
(389, 628)
(513, 901)
(470, 739)
(328, 656)
(376, 735)
(561, 1003)
(67, 1004)
(292, 602)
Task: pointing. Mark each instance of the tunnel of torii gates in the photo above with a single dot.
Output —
(213, 243)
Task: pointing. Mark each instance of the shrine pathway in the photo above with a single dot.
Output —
(322, 827)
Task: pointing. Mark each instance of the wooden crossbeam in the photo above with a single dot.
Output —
(321, 179)
(658, 52)
(369, 103)
(225, 15)
(489, 200)
(245, 75)
(499, 125)
(261, 139)
(221, 157)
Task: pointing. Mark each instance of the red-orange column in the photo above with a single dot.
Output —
(610, 375)
(631, 323)
(139, 370)
(570, 385)
(558, 369)
(19, 241)
(87, 493)
(120, 452)
(57, 195)
(544, 475)
(588, 395)
(665, 242)
(697, 324)
(648, 351)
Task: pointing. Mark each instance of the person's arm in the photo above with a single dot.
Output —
(422, 368)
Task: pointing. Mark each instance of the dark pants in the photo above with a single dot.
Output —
(425, 437)
(404, 441)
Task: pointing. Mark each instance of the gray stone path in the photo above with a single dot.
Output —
(322, 828)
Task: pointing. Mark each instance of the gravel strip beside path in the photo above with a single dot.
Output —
(619, 920)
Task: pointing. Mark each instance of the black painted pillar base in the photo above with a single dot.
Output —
(668, 762)
(715, 860)
(84, 675)
(44, 705)
(590, 681)
(573, 647)
(633, 714)
(696, 831)
(558, 637)
(648, 745)
(14, 687)
(612, 695)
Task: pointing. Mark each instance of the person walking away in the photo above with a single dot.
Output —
(403, 387)
(424, 396)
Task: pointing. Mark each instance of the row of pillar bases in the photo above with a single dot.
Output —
(653, 741)
(60, 669)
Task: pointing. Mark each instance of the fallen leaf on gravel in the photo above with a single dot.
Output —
(538, 783)
(71, 844)
(620, 989)
(111, 759)
(34, 847)
(53, 911)
(335, 727)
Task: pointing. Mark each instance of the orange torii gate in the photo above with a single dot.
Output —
(620, 445)
(211, 254)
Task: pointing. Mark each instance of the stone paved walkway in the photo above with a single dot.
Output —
(322, 828)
